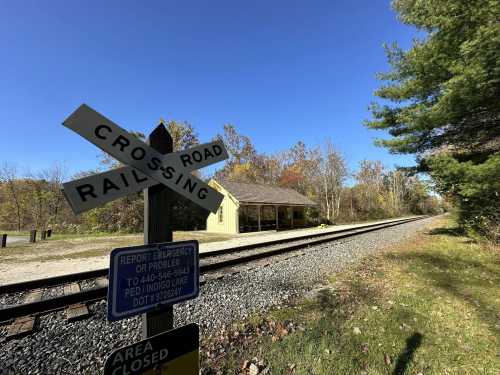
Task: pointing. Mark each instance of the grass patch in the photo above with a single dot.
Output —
(72, 236)
(14, 232)
(430, 306)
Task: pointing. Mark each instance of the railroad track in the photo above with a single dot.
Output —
(43, 296)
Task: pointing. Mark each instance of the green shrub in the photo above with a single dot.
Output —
(475, 189)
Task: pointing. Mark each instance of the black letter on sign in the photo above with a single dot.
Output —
(124, 179)
(137, 178)
(98, 129)
(84, 190)
(168, 172)
(186, 159)
(190, 185)
(202, 193)
(197, 156)
(142, 152)
(154, 163)
(208, 154)
(217, 150)
(179, 179)
(108, 185)
(122, 142)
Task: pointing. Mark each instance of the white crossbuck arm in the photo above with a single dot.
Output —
(146, 166)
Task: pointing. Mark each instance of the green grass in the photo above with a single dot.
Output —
(70, 236)
(15, 233)
(430, 306)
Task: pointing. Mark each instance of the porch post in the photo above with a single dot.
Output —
(292, 215)
(258, 217)
(237, 219)
(276, 208)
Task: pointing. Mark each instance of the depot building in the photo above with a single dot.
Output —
(255, 207)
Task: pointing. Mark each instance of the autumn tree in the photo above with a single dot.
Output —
(332, 177)
(11, 197)
(183, 134)
(370, 179)
(240, 166)
(55, 202)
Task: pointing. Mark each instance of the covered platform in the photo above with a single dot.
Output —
(254, 207)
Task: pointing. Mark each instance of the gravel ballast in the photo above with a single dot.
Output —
(81, 347)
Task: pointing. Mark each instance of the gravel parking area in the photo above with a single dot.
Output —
(81, 347)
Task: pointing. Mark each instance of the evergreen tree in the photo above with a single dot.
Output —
(445, 92)
(446, 88)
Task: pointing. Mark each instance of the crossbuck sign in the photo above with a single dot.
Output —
(145, 166)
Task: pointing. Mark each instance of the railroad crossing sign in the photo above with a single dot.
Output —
(146, 166)
(149, 278)
(169, 353)
(142, 278)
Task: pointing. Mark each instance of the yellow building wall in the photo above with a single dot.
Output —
(229, 206)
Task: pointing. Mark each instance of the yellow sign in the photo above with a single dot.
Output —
(185, 364)
(169, 353)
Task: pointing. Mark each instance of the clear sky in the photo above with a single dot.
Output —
(280, 71)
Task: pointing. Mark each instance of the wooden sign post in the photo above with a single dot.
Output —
(33, 236)
(158, 228)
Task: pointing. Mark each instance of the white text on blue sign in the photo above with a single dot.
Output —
(144, 277)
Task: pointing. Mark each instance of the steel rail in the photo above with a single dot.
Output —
(295, 245)
(73, 277)
(98, 293)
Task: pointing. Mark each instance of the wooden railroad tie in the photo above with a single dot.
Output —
(101, 282)
(77, 310)
(26, 324)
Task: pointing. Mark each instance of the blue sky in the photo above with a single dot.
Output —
(280, 71)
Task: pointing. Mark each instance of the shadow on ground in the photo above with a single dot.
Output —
(454, 231)
(406, 356)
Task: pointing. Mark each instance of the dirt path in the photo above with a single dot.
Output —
(36, 270)
(14, 239)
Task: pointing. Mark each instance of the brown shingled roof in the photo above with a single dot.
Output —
(256, 193)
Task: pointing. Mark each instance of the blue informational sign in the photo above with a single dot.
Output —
(142, 278)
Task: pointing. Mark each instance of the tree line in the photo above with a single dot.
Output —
(320, 172)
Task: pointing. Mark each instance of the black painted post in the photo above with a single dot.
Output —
(49, 233)
(4, 240)
(157, 228)
(33, 236)
(44, 235)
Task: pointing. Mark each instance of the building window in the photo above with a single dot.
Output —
(221, 215)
